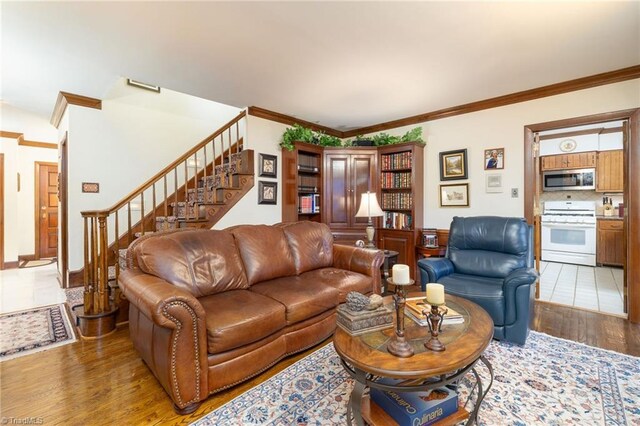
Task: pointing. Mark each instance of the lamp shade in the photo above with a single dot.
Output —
(369, 206)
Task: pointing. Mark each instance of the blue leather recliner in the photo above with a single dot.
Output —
(489, 261)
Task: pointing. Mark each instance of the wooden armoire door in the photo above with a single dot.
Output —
(348, 174)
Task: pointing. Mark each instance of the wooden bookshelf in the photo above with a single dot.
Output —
(401, 174)
(302, 183)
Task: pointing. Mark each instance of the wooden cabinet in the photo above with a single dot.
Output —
(610, 171)
(401, 199)
(348, 173)
(579, 160)
(302, 183)
(610, 245)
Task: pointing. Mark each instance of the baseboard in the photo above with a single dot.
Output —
(76, 278)
(26, 257)
(11, 265)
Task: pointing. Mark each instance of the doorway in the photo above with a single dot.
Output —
(1, 212)
(631, 220)
(46, 210)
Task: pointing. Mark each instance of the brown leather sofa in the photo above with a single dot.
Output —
(212, 308)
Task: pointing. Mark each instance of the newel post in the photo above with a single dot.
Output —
(96, 317)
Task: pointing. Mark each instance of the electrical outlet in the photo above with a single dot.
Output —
(514, 192)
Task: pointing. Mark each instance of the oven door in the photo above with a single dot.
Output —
(571, 238)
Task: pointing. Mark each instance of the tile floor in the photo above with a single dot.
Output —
(27, 288)
(595, 288)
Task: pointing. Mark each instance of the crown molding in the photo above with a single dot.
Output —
(65, 99)
(287, 119)
(610, 77)
(23, 142)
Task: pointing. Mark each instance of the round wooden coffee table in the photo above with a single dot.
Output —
(366, 359)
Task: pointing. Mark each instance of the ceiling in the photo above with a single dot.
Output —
(340, 64)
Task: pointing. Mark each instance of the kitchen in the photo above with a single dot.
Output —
(582, 226)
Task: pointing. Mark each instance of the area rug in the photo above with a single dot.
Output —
(34, 330)
(35, 263)
(75, 296)
(549, 381)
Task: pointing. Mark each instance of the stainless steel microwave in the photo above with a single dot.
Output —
(569, 180)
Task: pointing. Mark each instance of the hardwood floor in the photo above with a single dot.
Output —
(105, 382)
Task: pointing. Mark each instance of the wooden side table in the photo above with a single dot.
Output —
(422, 251)
(390, 259)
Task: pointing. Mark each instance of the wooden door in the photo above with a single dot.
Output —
(337, 203)
(363, 179)
(402, 242)
(2, 211)
(46, 203)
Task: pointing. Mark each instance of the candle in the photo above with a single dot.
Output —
(435, 294)
(400, 274)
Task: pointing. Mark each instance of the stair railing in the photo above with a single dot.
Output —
(175, 189)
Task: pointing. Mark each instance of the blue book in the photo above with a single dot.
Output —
(415, 408)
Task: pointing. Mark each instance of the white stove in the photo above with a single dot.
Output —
(569, 232)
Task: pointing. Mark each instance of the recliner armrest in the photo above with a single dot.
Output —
(436, 268)
(520, 277)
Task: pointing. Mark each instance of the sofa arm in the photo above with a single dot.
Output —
(169, 331)
(363, 261)
(435, 269)
(520, 277)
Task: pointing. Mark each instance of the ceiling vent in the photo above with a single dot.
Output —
(142, 85)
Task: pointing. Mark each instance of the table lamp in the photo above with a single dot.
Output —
(369, 208)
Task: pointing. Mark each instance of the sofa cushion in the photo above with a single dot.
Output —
(311, 244)
(302, 298)
(485, 291)
(265, 252)
(240, 317)
(342, 280)
(202, 262)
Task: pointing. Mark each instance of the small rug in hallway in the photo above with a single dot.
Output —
(34, 330)
(35, 263)
(550, 381)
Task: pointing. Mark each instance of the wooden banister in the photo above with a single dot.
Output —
(198, 188)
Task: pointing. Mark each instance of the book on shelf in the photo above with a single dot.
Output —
(399, 161)
(309, 203)
(415, 408)
(396, 220)
(416, 305)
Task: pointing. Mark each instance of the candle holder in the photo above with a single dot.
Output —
(399, 345)
(435, 317)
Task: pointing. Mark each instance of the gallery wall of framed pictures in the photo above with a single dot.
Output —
(454, 166)
(268, 190)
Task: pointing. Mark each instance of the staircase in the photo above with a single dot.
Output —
(196, 190)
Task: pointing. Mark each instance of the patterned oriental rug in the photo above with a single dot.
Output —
(550, 381)
(34, 330)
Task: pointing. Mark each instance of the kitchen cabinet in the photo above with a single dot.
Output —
(610, 245)
(610, 171)
(580, 160)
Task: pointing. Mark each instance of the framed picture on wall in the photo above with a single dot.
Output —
(454, 195)
(267, 192)
(494, 158)
(453, 165)
(493, 182)
(268, 165)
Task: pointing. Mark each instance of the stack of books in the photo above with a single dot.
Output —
(309, 203)
(416, 305)
(416, 408)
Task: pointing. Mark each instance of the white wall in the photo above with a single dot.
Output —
(504, 127)
(134, 136)
(263, 136)
(19, 206)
